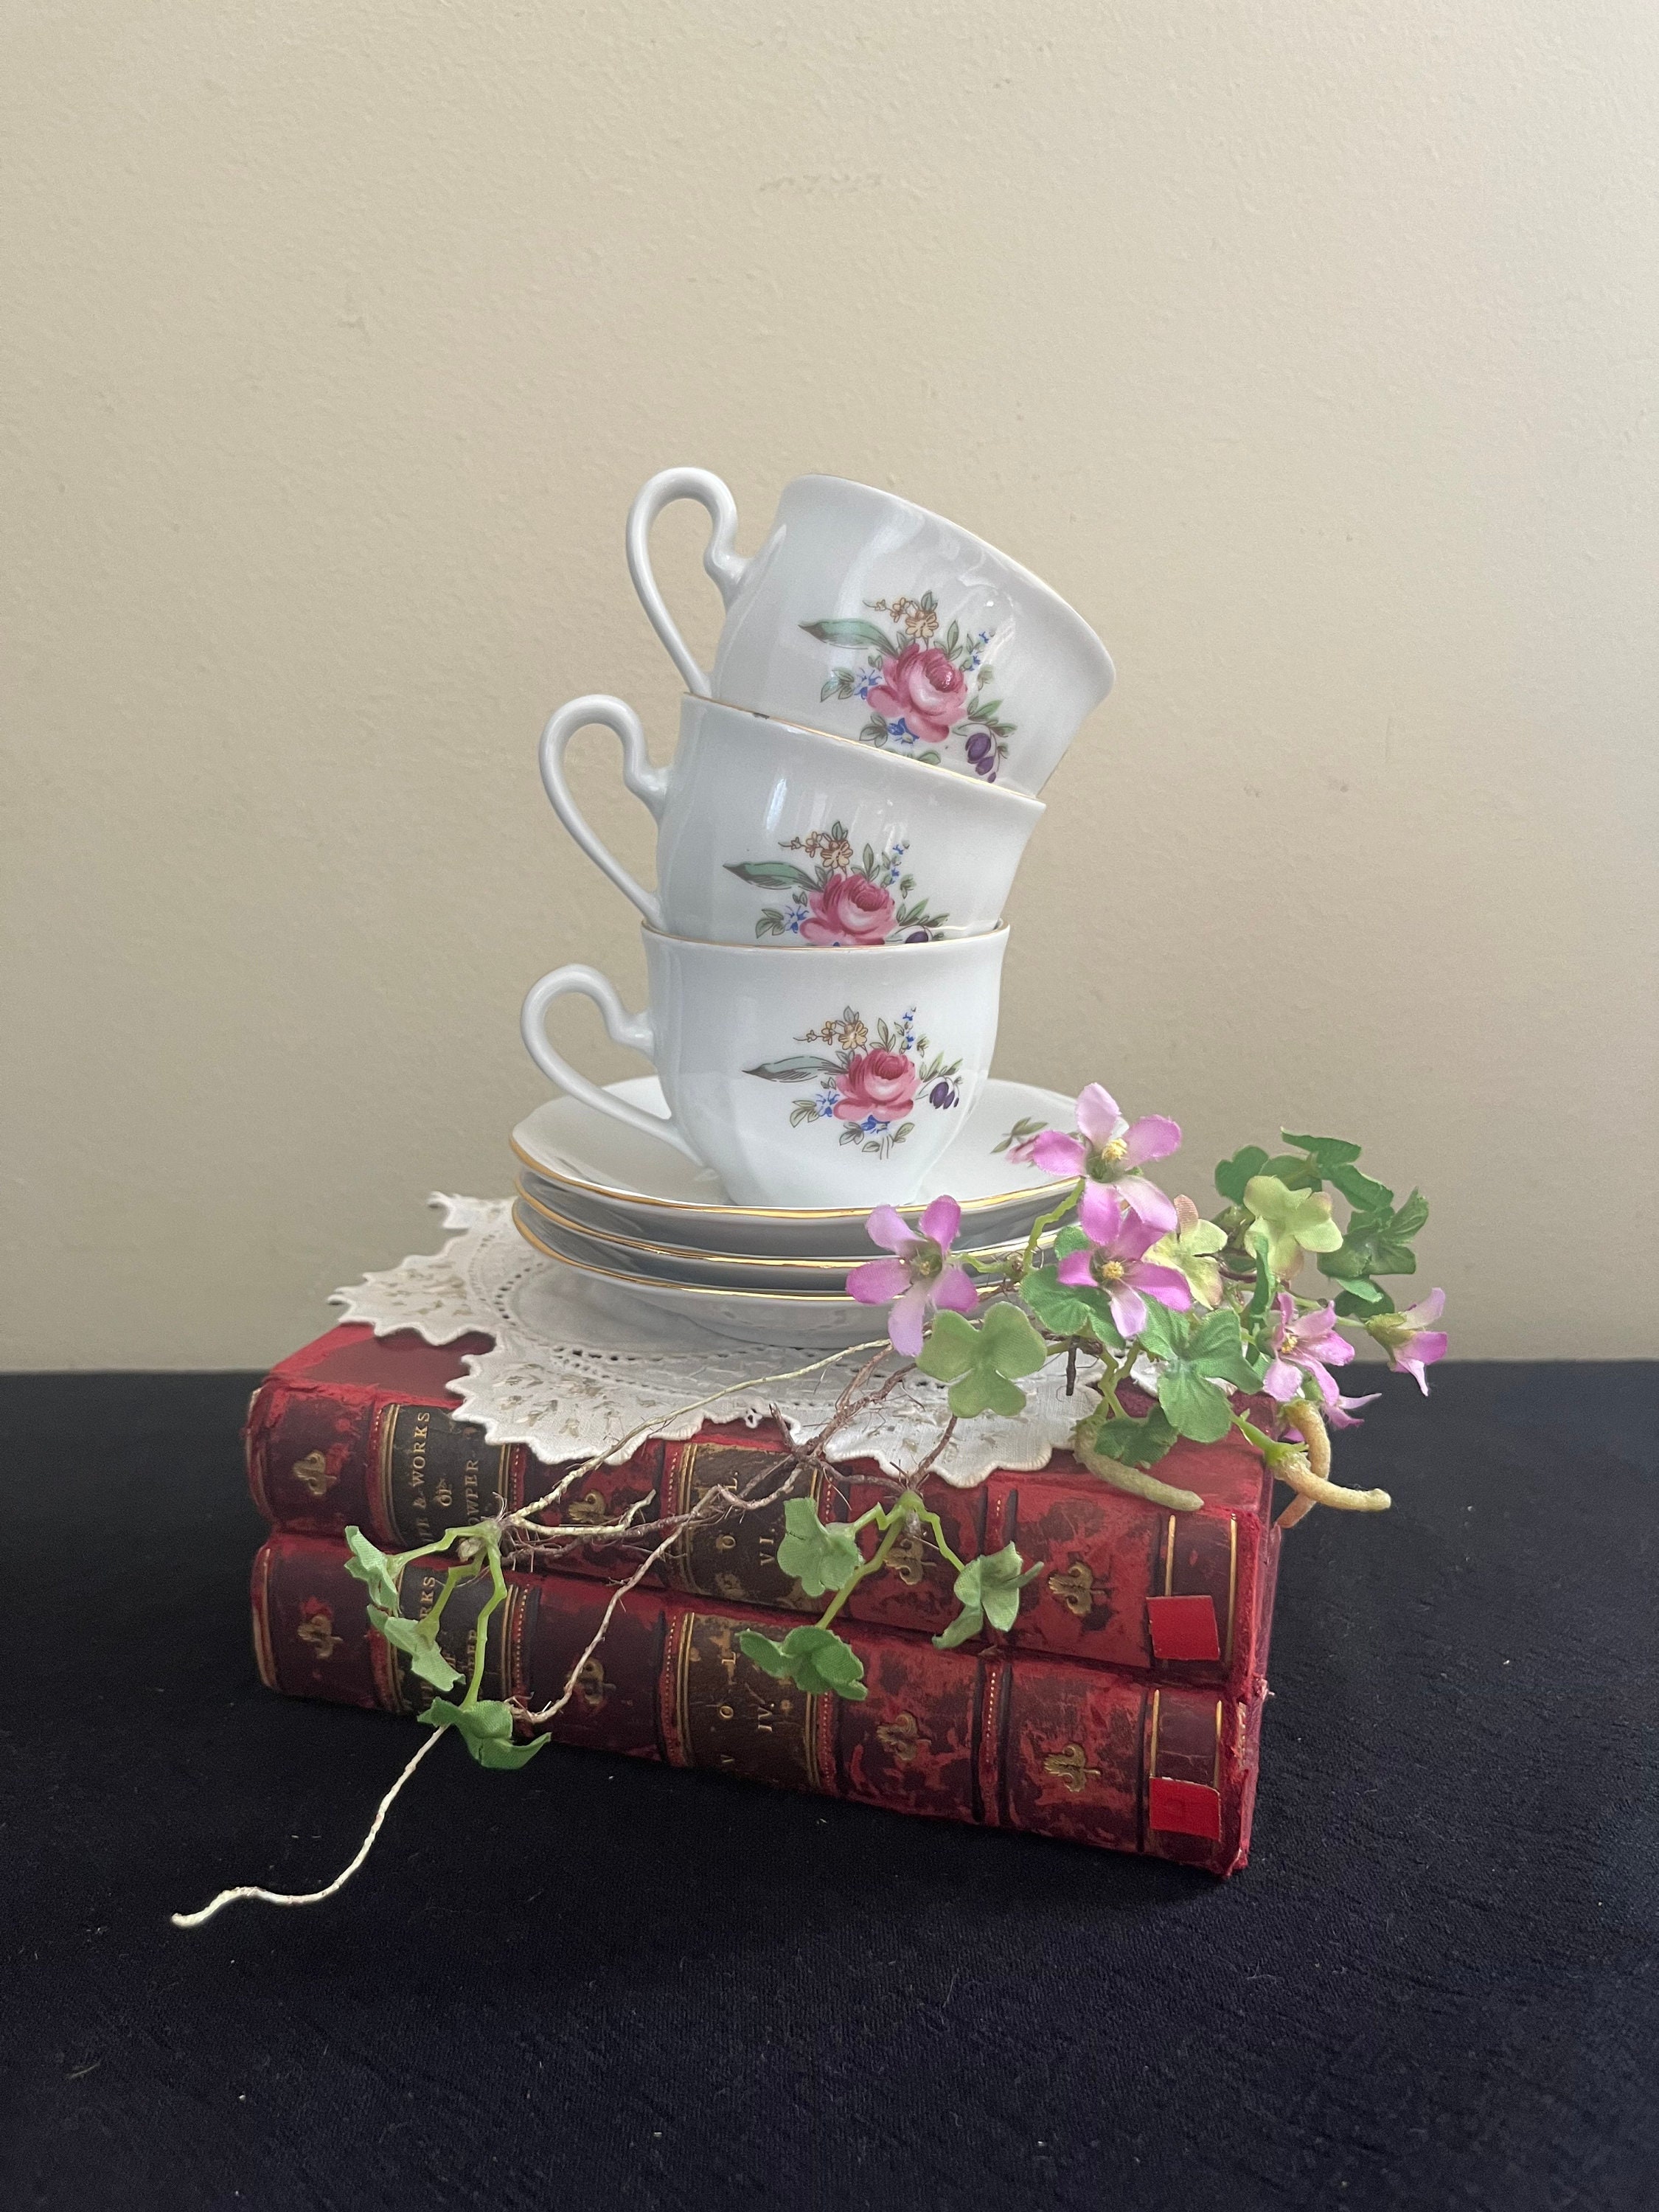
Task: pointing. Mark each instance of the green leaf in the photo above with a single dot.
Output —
(370, 1565)
(1163, 1335)
(1067, 1311)
(487, 1731)
(1362, 1191)
(1261, 1291)
(1325, 1152)
(770, 874)
(1197, 1408)
(1193, 1357)
(419, 1642)
(1133, 1443)
(980, 1361)
(1232, 1175)
(853, 633)
(1071, 1239)
(1359, 1298)
(988, 1588)
(801, 1067)
(815, 1659)
(1411, 1215)
(818, 1558)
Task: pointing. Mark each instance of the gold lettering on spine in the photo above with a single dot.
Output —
(1232, 1584)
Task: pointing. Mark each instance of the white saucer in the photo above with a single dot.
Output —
(619, 1182)
(680, 1263)
(806, 1320)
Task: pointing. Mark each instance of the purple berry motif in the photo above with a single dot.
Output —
(978, 747)
(918, 937)
(943, 1094)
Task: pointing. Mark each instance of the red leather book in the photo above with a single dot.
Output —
(356, 1428)
(1001, 1737)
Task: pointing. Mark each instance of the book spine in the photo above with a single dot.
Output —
(995, 1737)
(1124, 1583)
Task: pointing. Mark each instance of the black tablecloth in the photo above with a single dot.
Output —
(600, 1983)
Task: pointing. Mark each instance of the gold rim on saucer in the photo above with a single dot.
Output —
(820, 1301)
(1005, 1250)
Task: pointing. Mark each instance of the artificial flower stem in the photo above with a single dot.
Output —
(1045, 1222)
(891, 1521)
(931, 1521)
(455, 1577)
(498, 1597)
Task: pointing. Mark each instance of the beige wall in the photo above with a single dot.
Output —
(1309, 348)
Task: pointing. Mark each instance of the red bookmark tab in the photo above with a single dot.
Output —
(1183, 1627)
(1185, 1808)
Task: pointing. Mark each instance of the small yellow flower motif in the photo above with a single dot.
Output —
(920, 622)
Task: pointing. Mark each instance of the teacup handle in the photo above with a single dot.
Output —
(646, 782)
(634, 1031)
(726, 567)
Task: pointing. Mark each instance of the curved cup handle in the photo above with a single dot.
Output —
(726, 567)
(634, 1031)
(646, 782)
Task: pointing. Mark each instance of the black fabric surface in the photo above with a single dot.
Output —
(600, 1983)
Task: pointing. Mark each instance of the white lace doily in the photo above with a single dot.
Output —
(570, 1381)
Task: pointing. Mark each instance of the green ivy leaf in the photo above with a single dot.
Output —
(988, 1588)
(486, 1728)
(1326, 1154)
(1193, 1357)
(1232, 1175)
(1133, 1442)
(818, 1558)
(978, 1361)
(419, 1640)
(1067, 1311)
(370, 1565)
(815, 1659)
(1377, 1244)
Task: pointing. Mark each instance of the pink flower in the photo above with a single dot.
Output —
(923, 688)
(1107, 1148)
(1305, 1346)
(922, 1276)
(848, 910)
(1340, 1412)
(1115, 1263)
(1411, 1345)
(879, 1086)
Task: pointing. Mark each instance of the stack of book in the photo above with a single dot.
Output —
(1122, 1710)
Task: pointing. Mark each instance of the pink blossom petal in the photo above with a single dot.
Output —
(1167, 1285)
(1137, 1236)
(1334, 1349)
(878, 1281)
(955, 1289)
(1341, 1412)
(1101, 1216)
(1057, 1155)
(1324, 1380)
(1097, 1117)
(1424, 1350)
(886, 1226)
(1282, 1382)
(1426, 1310)
(1075, 1270)
(1287, 1305)
(907, 1323)
(1154, 1137)
(1129, 1310)
(941, 1222)
(1148, 1201)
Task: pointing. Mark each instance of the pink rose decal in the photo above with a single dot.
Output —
(879, 1084)
(923, 688)
(849, 910)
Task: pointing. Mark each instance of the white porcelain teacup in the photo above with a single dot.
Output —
(772, 834)
(827, 1077)
(867, 615)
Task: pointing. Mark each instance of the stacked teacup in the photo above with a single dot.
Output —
(851, 791)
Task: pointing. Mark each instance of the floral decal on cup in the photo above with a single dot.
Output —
(872, 1084)
(921, 694)
(838, 901)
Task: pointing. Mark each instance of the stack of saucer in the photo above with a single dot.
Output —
(824, 949)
